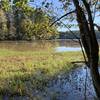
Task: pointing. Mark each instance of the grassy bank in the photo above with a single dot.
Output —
(23, 72)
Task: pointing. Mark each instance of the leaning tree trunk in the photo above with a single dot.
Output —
(89, 41)
(94, 52)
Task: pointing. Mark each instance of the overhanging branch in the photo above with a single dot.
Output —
(97, 26)
(95, 10)
(63, 16)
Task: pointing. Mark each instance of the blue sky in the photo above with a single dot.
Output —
(57, 8)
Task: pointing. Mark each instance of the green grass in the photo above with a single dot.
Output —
(23, 72)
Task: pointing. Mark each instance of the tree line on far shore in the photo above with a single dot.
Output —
(69, 35)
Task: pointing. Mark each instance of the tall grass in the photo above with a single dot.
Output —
(23, 72)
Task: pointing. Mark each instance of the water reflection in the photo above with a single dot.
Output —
(36, 45)
(72, 86)
(64, 49)
(68, 86)
(57, 45)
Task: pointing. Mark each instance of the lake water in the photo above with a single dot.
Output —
(72, 86)
(57, 45)
(65, 49)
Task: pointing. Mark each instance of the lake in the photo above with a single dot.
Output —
(56, 45)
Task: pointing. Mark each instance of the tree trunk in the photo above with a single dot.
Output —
(89, 41)
(94, 52)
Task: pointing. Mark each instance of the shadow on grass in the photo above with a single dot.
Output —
(29, 84)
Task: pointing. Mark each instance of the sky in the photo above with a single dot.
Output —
(57, 8)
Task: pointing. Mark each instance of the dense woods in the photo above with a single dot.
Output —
(22, 22)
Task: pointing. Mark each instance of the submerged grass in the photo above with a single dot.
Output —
(23, 72)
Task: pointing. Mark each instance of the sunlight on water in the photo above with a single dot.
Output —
(64, 49)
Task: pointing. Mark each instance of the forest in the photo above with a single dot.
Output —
(22, 22)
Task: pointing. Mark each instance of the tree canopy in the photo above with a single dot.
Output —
(25, 22)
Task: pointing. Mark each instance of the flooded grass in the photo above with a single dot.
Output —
(21, 72)
(27, 69)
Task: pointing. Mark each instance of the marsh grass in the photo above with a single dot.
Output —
(22, 72)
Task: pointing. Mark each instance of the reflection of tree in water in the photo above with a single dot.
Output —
(68, 42)
(29, 46)
(73, 85)
(37, 45)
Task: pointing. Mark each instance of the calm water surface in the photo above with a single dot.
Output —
(72, 86)
(57, 45)
(65, 49)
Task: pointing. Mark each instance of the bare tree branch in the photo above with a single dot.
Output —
(97, 26)
(63, 16)
(95, 10)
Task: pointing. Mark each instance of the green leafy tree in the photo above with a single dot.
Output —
(24, 22)
(21, 11)
(5, 5)
(27, 28)
(3, 25)
(44, 31)
(38, 27)
(7, 8)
